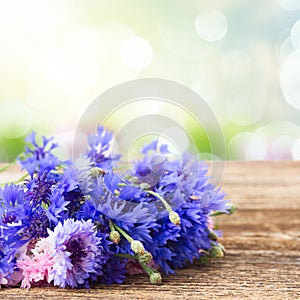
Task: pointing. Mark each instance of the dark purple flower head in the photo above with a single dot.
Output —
(77, 252)
(34, 225)
(38, 189)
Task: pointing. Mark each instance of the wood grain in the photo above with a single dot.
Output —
(262, 241)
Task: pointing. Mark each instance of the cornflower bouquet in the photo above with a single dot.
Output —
(74, 223)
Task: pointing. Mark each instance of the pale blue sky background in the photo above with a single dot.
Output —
(242, 57)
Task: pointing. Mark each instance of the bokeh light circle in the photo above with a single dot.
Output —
(290, 79)
(247, 145)
(296, 150)
(290, 4)
(136, 53)
(211, 25)
(16, 119)
(295, 35)
(247, 107)
(185, 43)
(72, 73)
(285, 49)
(281, 147)
(279, 138)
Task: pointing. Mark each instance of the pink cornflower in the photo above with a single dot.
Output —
(36, 267)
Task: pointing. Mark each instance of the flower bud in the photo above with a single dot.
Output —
(95, 172)
(232, 209)
(146, 257)
(203, 260)
(174, 218)
(213, 236)
(216, 251)
(155, 278)
(137, 247)
(114, 236)
(222, 248)
(145, 185)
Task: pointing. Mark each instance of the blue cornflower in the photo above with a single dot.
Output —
(77, 252)
(39, 158)
(183, 183)
(194, 199)
(25, 210)
(6, 264)
(34, 225)
(38, 189)
(12, 211)
(10, 242)
(57, 209)
(11, 203)
(174, 246)
(80, 171)
(99, 148)
(114, 271)
(66, 198)
(91, 219)
(149, 169)
(4, 271)
(153, 146)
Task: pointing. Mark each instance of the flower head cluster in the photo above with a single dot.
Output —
(69, 256)
(70, 224)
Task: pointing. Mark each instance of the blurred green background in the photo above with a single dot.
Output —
(242, 57)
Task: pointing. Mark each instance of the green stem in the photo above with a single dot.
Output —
(231, 209)
(147, 269)
(164, 202)
(125, 255)
(217, 213)
(125, 235)
(111, 226)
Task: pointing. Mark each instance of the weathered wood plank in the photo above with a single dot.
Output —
(263, 184)
(243, 273)
(262, 241)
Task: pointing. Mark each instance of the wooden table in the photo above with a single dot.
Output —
(262, 241)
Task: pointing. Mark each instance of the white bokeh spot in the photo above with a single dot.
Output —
(295, 35)
(281, 147)
(296, 150)
(290, 79)
(247, 145)
(289, 4)
(136, 53)
(211, 25)
(16, 119)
